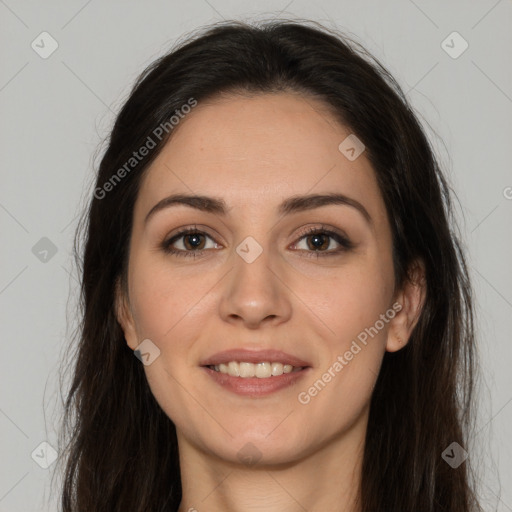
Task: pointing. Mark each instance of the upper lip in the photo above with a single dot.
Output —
(253, 356)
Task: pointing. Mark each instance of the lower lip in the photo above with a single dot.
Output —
(254, 386)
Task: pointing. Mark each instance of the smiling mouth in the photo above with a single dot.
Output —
(263, 370)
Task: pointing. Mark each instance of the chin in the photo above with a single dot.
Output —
(260, 449)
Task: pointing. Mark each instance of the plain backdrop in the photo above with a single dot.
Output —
(56, 109)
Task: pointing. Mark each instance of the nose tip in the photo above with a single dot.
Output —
(252, 321)
(253, 293)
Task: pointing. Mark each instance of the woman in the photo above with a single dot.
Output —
(270, 237)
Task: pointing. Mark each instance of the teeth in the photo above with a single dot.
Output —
(232, 368)
(261, 370)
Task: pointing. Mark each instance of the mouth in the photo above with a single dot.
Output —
(261, 370)
(255, 373)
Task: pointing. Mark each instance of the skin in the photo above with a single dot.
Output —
(255, 152)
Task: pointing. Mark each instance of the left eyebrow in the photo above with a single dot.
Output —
(290, 205)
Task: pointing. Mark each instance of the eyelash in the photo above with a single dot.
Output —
(344, 242)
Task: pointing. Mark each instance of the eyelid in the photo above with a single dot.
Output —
(324, 229)
(195, 228)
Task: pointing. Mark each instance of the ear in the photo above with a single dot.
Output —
(124, 316)
(411, 299)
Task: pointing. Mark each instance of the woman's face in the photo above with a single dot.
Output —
(262, 280)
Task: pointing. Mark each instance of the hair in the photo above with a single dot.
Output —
(121, 448)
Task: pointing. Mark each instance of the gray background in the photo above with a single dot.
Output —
(56, 111)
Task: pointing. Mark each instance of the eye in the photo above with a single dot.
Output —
(318, 240)
(191, 239)
(192, 242)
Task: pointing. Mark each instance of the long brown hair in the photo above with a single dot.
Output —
(119, 447)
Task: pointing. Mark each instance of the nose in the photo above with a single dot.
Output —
(255, 293)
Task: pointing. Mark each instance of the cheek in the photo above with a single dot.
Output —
(164, 300)
(355, 306)
(351, 300)
(352, 353)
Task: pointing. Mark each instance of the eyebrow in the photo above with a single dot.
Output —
(293, 204)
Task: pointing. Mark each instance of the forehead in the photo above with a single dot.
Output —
(254, 151)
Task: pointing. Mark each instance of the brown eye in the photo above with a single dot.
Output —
(318, 241)
(191, 240)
